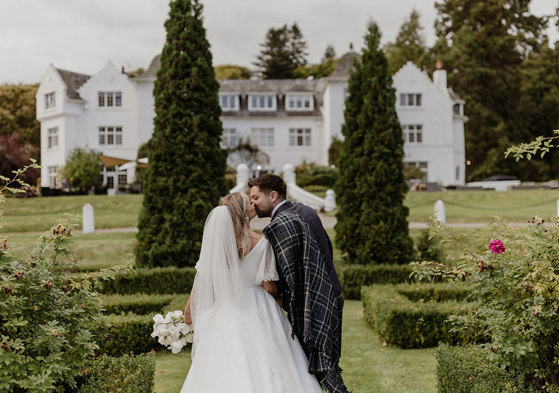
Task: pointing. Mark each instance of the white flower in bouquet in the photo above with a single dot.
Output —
(171, 331)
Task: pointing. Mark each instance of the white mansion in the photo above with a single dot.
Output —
(291, 121)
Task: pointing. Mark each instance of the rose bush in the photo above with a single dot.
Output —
(517, 282)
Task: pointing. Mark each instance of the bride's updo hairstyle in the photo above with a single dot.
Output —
(236, 203)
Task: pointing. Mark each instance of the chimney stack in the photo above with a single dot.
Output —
(439, 77)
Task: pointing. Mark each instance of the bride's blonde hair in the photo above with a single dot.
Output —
(236, 203)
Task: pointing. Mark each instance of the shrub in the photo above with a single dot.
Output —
(157, 281)
(467, 370)
(356, 276)
(517, 282)
(428, 247)
(131, 333)
(414, 324)
(48, 319)
(127, 374)
(137, 304)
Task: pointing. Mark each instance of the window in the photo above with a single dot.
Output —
(111, 99)
(229, 138)
(52, 135)
(422, 165)
(110, 182)
(261, 102)
(262, 137)
(300, 137)
(413, 133)
(110, 135)
(229, 102)
(49, 101)
(299, 102)
(122, 179)
(52, 171)
(410, 99)
(457, 108)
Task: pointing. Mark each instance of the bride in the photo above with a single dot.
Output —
(242, 338)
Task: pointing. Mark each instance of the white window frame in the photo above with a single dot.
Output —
(110, 135)
(262, 98)
(229, 138)
(262, 136)
(413, 133)
(225, 101)
(52, 137)
(52, 173)
(292, 100)
(302, 135)
(411, 100)
(122, 179)
(115, 99)
(50, 100)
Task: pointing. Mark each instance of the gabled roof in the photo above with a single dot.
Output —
(344, 65)
(154, 66)
(73, 81)
(244, 86)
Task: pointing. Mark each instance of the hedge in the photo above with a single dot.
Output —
(140, 304)
(354, 277)
(131, 333)
(414, 324)
(156, 281)
(468, 370)
(127, 374)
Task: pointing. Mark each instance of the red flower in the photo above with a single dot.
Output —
(497, 246)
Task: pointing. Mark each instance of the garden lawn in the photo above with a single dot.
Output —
(368, 366)
(39, 214)
(93, 250)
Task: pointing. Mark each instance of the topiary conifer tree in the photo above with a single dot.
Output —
(186, 174)
(372, 224)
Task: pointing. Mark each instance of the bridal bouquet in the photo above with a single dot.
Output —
(171, 331)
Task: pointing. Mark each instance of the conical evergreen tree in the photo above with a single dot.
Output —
(186, 174)
(372, 224)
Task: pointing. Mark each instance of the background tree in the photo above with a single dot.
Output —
(230, 71)
(409, 45)
(329, 53)
(83, 169)
(17, 113)
(283, 50)
(372, 224)
(334, 151)
(321, 70)
(15, 154)
(488, 41)
(186, 173)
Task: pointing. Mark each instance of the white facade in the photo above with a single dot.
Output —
(291, 121)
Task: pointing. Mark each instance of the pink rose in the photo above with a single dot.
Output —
(496, 246)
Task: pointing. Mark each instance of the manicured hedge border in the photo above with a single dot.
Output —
(414, 324)
(127, 374)
(354, 277)
(156, 281)
(140, 304)
(131, 333)
(468, 370)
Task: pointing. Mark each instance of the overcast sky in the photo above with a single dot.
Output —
(83, 35)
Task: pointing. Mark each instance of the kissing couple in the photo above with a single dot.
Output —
(243, 340)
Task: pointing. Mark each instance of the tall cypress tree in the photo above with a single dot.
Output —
(186, 173)
(372, 224)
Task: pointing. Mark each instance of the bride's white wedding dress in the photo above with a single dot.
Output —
(242, 338)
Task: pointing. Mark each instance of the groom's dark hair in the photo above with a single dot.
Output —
(268, 183)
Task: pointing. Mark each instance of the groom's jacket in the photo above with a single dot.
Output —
(314, 302)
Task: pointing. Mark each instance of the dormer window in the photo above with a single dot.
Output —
(410, 99)
(50, 101)
(299, 102)
(262, 102)
(109, 99)
(229, 102)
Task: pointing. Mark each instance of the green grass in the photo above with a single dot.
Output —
(480, 206)
(96, 249)
(39, 214)
(368, 366)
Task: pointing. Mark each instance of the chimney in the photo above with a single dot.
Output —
(439, 77)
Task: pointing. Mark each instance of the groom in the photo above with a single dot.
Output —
(310, 289)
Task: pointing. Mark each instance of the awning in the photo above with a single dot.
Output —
(112, 161)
